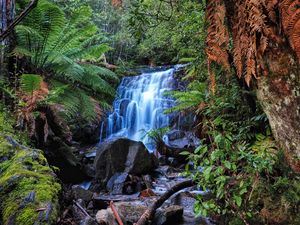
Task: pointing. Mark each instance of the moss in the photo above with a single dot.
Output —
(27, 216)
(23, 171)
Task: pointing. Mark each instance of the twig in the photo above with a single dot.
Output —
(81, 209)
(115, 212)
(149, 213)
(23, 14)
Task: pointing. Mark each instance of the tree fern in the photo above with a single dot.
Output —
(63, 49)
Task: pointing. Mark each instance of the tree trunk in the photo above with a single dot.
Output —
(279, 95)
(7, 13)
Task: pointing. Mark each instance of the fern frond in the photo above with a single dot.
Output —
(61, 48)
(97, 84)
(104, 73)
(290, 12)
(217, 40)
(30, 82)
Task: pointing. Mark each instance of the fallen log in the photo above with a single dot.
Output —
(150, 212)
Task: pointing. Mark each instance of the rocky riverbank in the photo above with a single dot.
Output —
(128, 180)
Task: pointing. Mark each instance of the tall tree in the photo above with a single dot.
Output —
(7, 12)
(266, 46)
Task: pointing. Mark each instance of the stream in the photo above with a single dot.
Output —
(139, 108)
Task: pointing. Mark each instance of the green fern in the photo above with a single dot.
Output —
(63, 48)
(189, 99)
(30, 82)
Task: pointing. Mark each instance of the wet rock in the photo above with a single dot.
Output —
(88, 221)
(102, 201)
(131, 211)
(122, 155)
(187, 201)
(175, 134)
(26, 176)
(105, 217)
(116, 183)
(89, 170)
(61, 155)
(173, 162)
(81, 193)
(87, 132)
(176, 139)
(168, 215)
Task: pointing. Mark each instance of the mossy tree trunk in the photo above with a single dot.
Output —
(279, 95)
(266, 46)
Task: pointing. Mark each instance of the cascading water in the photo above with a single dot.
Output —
(140, 105)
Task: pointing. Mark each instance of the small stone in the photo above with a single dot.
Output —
(105, 217)
(81, 193)
(166, 215)
(130, 211)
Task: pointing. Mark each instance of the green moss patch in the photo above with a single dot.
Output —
(29, 188)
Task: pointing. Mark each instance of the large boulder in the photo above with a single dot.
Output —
(122, 155)
(29, 189)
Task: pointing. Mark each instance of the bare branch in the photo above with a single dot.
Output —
(149, 213)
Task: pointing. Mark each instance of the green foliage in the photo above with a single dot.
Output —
(113, 25)
(189, 99)
(30, 82)
(156, 135)
(239, 163)
(23, 170)
(168, 31)
(4, 88)
(7, 122)
(67, 52)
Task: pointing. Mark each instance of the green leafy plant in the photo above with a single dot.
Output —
(67, 53)
(156, 136)
(239, 163)
(30, 82)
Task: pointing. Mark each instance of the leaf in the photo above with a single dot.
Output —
(243, 191)
(30, 82)
(238, 200)
(184, 153)
(227, 164)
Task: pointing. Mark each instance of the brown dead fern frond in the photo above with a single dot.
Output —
(290, 13)
(217, 39)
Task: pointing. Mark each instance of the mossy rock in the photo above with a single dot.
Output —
(29, 188)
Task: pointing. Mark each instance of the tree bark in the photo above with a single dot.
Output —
(280, 99)
(8, 29)
(7, 13)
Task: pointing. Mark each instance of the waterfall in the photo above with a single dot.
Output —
(140, 105)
